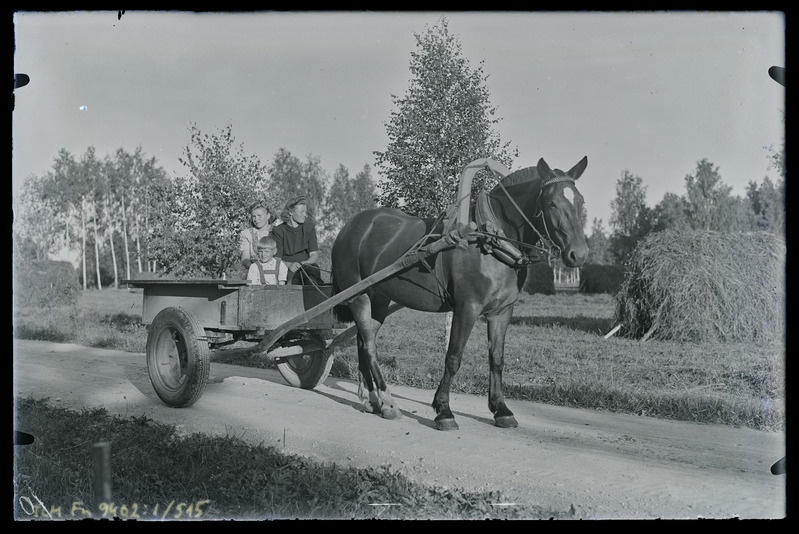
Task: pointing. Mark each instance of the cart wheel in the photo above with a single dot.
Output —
(306, 371)
(178, 358)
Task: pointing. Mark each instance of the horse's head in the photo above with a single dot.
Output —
(560, 208)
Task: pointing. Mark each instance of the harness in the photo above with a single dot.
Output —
(492, 239)
(505, 249)
(263, 272)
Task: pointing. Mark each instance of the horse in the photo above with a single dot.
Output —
(534, 208)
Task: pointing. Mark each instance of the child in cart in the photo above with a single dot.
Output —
(267, 270)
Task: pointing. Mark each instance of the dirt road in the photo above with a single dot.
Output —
(606, 466)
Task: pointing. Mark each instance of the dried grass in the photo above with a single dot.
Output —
(686, 285)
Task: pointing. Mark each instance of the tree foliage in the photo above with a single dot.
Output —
(89, 205)
(708, 200)
(444, 122)
(290, 177)
(670, 212)
(194, 220)
(599, 245)
(630, 217)
(707, 204)
(346, 198)
(767, 204)
(39, 219)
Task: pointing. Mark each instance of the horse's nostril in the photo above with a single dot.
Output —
(573, 257)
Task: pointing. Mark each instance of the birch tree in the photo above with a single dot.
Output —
(444, 121)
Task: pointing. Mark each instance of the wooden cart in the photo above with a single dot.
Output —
(293, 325)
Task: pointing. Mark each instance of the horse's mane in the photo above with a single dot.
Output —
(528, 174)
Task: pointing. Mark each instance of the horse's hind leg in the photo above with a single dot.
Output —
(369, 315)
(497, 327)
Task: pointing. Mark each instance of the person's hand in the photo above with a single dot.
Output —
(294, 266)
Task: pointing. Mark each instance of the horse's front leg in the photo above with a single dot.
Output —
(497, 327)
(462, 324)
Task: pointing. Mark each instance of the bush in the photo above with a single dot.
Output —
(45, 283)
(704, 286)
(601, 278)
(539, 279)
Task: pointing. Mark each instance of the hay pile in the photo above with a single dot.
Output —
(686, 285)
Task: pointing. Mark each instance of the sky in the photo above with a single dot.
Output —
(651, 93)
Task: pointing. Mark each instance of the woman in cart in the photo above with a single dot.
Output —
(297, 244)
(261, 226)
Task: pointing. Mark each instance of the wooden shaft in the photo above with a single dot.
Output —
(399, 265)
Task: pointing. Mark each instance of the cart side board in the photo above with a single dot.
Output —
(233, 305)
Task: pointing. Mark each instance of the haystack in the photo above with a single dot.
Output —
(687, 285)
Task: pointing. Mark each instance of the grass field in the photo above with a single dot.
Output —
(555, 353)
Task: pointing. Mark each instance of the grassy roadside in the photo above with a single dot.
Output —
(217, 478)
(555, 353)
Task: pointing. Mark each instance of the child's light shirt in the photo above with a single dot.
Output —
(270, 273)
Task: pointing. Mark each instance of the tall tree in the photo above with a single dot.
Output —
(347, 197)
(289, 177)
(629, 204)
(73, 184)
(709, 203)
(631, 218)
(120, 171)
(444, 122)
(767, 205)
(39, 220)
(148, 180)
(195, 220)
(599, 245)
(669, 213)
(337, 205)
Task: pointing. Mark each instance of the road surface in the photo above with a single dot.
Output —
(605, 466)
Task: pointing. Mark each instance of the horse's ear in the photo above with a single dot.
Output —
(543, 168)
(577, 171)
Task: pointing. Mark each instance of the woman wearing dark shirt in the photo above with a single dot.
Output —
(297, 244)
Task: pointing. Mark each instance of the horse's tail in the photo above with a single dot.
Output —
(341, 312)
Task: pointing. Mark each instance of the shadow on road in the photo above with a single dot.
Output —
(411, 414)
(358, 406)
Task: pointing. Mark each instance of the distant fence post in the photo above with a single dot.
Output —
(102, 475)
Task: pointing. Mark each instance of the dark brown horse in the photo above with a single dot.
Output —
(532, 208)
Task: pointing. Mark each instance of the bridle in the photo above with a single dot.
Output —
(492, 239)
(545, 245)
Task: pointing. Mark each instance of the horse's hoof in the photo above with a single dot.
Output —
(446, 424)
(391, 412)
(368, 407)
(506, 421)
